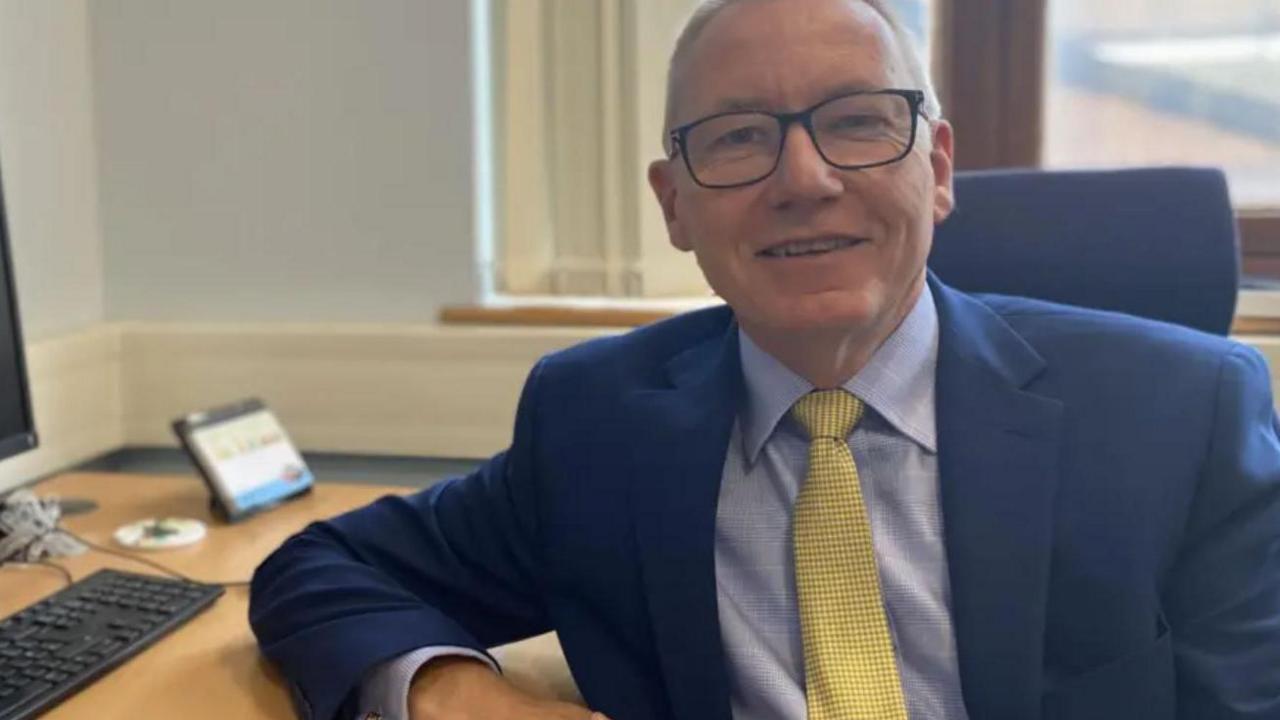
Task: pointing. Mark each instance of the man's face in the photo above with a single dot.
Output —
(783, 56)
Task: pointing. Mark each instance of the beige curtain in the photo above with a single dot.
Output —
(578, 100)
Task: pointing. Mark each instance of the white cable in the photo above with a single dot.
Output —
(27, 529)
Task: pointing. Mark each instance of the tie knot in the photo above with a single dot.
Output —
(828, 413)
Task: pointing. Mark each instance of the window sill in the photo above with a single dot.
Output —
(570, 312)
(1257, 313)
(540, 316)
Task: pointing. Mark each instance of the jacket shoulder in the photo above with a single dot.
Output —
(642, 353)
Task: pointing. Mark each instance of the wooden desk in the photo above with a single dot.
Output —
(210, 667)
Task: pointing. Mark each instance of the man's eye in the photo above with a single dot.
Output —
(747, 135)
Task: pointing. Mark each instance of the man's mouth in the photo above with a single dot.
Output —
(815, 246)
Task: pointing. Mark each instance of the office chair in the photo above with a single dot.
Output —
(1154, 242)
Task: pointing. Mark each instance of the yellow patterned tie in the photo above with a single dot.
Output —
(850, 669)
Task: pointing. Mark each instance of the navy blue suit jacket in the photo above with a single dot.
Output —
(1110, 492)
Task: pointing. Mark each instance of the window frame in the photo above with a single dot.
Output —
(999, 116)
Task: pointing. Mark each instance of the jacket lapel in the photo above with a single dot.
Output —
(998, 452)
(677, 466)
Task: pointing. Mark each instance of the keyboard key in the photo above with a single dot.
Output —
(25, 693)
(24, 631)
(82, 644)
(108, 647)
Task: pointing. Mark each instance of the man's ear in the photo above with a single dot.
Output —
(942, 157)
(662, 180)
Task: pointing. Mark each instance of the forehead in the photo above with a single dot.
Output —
(785, 54)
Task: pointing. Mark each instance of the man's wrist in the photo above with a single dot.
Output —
(437, 684)
(384, 691)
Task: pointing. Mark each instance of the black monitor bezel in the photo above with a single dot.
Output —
(29, 440)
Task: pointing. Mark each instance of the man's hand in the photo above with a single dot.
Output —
(460, 688)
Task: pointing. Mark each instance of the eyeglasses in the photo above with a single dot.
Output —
(851, 132)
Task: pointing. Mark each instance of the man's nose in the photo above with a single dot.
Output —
(802, 174)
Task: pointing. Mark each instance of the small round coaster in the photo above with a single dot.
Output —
(160, 533)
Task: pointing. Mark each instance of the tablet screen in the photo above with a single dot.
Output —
(251, 458)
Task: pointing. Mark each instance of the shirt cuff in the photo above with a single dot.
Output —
(384, 693)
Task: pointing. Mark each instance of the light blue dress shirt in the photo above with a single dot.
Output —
(895, 448)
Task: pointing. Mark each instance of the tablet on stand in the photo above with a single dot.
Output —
(245, 457)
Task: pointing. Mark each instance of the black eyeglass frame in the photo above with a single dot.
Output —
(914, 98)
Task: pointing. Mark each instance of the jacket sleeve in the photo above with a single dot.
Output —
(452, 565)
(1223, 603)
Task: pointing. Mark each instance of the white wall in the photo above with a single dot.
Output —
(49, 164)
(292, 160)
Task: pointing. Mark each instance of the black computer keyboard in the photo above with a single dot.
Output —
(55, 647)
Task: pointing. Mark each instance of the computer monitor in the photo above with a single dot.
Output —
(17, 426)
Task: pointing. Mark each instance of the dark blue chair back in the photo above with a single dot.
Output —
(1154, 242)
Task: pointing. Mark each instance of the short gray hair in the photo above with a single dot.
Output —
(708, 9)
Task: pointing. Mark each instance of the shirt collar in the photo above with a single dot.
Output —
(898, 382)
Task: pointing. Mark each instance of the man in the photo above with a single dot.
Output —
(857, 494)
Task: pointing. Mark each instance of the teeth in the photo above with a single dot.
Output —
(809, 247)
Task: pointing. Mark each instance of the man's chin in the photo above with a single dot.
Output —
(820, 317)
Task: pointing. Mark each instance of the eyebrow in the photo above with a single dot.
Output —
(746, 104)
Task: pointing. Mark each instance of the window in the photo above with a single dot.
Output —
(917, 17)
(578, 94)
(579, 87)
(1072, 83)
(1153, 82)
